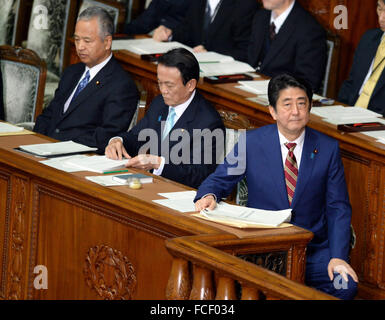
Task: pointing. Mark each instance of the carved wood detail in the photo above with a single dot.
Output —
(179, 284)
(18, 236)
(4, 259)
(109, 273)
(202, 288)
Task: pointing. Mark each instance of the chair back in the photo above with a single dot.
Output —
(8, 21)
(116, 9)
(329, 83)
(24, 75)
(52, 21)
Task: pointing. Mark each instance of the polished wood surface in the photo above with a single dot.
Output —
(363, 159)
(109, 242)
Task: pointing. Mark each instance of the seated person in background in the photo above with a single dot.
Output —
(96, 99)
(183, 148)
(287, 39)
(365, 85)
(2, 115)
(222, 26)
(160, 13)
(280, 162)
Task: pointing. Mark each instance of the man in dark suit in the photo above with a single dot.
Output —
(96, 99)
(288, 165)
(179, 135)
(221, 26)
(167, 13)
(365, 85)
(2, 115)
(287, 39)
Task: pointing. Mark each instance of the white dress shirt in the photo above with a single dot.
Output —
(297, 150)
(280, 20)
(93, 72)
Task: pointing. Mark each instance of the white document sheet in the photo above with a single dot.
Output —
(146, 46)
(179, 195)
(56, 148)
(7, 127)
(212, 57)
(100, 164)
(258, 87)
(224, 68)
(105, 181)
(181, 205)
(60, 163)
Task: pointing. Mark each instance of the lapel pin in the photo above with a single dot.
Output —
(159, 118)
(97, 82)
(313, 153)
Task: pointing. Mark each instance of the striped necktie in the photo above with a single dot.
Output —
(82, 84)
(169, 122)
(291, 171)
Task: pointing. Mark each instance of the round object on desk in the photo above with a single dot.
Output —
(134, 183)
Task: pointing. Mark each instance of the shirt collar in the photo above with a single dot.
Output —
(280, 20)
(299, 141)
(213, 5)
(179, 109)
(95, 69)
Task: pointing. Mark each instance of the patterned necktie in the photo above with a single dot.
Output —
(291, 171)
(378, 67)
(82, 84)
(272, 31)
(170, 122)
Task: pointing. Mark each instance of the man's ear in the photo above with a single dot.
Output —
(272, 112)
(108, 42)
(191, 85)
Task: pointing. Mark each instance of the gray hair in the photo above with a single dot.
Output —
(106, 24)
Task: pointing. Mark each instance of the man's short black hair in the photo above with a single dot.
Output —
(284, 81)
(184, 61)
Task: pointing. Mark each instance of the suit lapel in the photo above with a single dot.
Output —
(284, 34)
(308, 160)
(221, 16)
(261, 28)
(273, 156)
(101, 78)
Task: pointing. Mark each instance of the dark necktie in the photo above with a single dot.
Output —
(272, 31)
(291, 171)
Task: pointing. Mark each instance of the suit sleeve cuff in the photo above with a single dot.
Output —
(159, 171)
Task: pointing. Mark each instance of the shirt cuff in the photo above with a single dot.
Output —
(158, 171)
(121, 139)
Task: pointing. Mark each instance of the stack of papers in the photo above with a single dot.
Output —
(258, 87)
(59, 163)
(224, 68)
(99, 164)
(379, 135)
(346, 115)
(244, 217)
(146, 46)
(212, 57)
(51, 149)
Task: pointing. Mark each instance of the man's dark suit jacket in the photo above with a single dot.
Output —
(1, 98)
(169, 13)
(198, 115)
(298, 49)
(228, 33)
(103, 109)
(362, 61)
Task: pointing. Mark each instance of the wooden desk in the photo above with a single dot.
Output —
(107, 242)
(363, 158)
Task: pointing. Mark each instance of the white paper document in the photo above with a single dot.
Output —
(7, 127)
(247, 216)
(56, 148)
(100, 164)
(345, 115)
(224, 68)
(60, 163)
(179, 195)
(212, 57)
(181, 205)
(146, 46)
(105, 181)
(258, 87)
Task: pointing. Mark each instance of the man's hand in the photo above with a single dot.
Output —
(115, 150)
(341, 267)
(162, 33)
(199, 48)
(145, 162)
(206, 202)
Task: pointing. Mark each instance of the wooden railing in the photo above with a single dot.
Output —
(203, 272)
